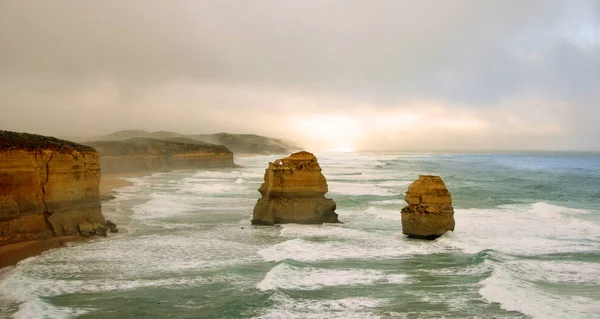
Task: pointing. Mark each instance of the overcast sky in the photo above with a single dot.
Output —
(419, 75)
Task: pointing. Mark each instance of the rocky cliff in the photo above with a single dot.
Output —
(48, 187)
(237, 143)
(145, 155)
(294, 192)
(429, 213)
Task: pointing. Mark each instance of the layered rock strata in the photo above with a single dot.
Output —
(294, 192)
(429, 213)
(145, 155)
(48, 187)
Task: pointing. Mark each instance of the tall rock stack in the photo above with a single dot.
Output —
(294, 192)
(429, 213)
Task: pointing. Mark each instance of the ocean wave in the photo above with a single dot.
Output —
(515, 294)
(286, 307)
(374, 248)
(538, 228)
(358, 189)
(339, 231)
(285, 276)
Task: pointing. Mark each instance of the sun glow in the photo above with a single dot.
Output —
(335, 133)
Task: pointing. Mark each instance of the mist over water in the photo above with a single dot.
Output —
(527, 244)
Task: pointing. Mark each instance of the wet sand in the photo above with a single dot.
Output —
(11, 254)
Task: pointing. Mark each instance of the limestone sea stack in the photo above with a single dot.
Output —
(48, 188)
(429, 213)
(294, 192)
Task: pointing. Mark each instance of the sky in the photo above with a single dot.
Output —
(329, 75)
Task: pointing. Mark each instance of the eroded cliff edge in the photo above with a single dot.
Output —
(146, 155)
(48, 187)
(294, 192)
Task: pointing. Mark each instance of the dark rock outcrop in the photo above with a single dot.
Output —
(429, 213)
(294, 192)
(48, 187)
(112, 226)
(145, 155)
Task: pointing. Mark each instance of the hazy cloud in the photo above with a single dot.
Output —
(468, 74)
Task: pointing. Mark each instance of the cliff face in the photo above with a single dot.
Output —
(150, 155)
(48, 187)
(238, 143)
(429, 213)
(294, 192)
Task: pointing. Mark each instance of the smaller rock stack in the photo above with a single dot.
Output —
(294, 192)
(429, 213)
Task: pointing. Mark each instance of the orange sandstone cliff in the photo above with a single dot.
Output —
(146, 155)
(294, 192)
(48, 187)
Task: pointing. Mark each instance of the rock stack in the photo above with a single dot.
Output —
(294, 192)
(429, 213)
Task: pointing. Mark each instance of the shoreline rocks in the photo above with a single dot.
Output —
(294, 192)
(429, 213)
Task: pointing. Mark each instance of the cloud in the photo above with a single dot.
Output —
(201, 66)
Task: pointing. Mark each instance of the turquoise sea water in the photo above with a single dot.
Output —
(527, 244)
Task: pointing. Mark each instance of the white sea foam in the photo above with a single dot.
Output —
(339, 231)
(24, 289)
(394, 183)
(358, 189)
(212, 189)
(346, 308)
(389, 202)
(373, 248)
(160, 208)
(383, 214)
(36, 308)
(524, 229)
(116, 265)
(284, 276)
(556, 271)
(514, 294)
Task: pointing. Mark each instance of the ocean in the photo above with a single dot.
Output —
(526, 245)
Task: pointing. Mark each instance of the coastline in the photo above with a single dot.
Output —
(12, 254)
(109, 182)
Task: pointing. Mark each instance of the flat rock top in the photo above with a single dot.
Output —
(34, 142)
(301, 156)
(427, 182)
(300, 161)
